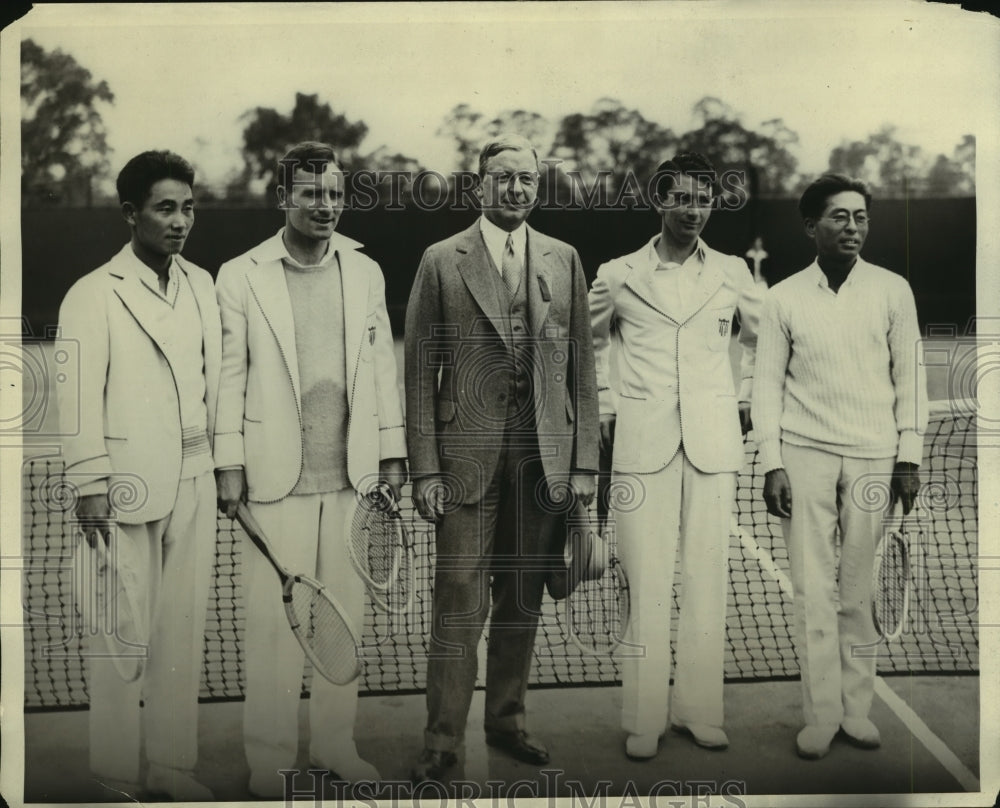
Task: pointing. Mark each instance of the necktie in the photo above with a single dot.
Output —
(510, 269)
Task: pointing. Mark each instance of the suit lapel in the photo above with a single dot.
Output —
(473, 264)
(354, 283)
(708, 284)
(142, 303)
(538, 278)
(638, 282)
(268, 286)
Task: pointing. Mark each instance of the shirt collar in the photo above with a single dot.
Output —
(150, 279)
(274, 248)
(496, 238)
(819, 276)
(653, 258)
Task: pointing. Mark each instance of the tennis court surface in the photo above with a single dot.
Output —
(927, 704)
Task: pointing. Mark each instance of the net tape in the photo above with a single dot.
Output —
(940, 635)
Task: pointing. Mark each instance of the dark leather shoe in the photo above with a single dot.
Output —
(432, 765)
(520, 746)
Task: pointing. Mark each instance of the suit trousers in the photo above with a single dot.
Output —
(177, 553)
(679, 510)
(501, 545)
(834, 632)
(308, 535)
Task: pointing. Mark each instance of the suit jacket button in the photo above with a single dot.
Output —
(502, 397)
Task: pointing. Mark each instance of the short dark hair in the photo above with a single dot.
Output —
(692, 163)
(310, 156)
(814, 198)
(143, 171)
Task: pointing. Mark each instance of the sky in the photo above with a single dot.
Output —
(183, 75)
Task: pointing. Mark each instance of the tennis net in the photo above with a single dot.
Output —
(941, 634)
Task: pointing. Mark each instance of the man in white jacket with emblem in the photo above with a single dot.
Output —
(675, 421)
(309, 414)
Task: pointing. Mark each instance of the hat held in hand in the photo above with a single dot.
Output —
(585, 553)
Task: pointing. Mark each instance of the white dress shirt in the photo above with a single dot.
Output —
(496, 242)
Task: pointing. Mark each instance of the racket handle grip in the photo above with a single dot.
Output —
(249, 524)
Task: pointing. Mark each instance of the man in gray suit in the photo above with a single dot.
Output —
(501, 405)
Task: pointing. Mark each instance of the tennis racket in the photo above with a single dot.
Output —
(597, 611)
(111, 600)
(891, 581)
(375, 542)
(397, 596)
(318, 622)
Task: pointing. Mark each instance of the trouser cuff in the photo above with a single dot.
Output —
(441, 743)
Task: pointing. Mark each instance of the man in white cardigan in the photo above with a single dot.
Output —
(839, 409)
(309, 414)
(676, 423)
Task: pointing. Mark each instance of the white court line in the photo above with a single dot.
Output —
(913, 722)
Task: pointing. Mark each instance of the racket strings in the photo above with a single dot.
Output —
(598, 612)
(397, 597)
(112, 604)
(375, 543)
(382, 549)
(324, 630)
(890, 591)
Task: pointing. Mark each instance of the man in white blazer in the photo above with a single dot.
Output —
(673, 416)
(141, 461)
(309, 414)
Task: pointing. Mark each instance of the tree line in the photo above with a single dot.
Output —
(605, 152)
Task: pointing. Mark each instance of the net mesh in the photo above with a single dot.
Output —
(941, 634)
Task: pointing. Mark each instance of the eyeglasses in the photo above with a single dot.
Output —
(526, 178)
(843, 218)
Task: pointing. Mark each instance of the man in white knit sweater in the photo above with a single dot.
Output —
(309, 414)
(839, 407)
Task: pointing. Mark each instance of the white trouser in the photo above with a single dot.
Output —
(177, 552)
(834, 632)
(682, 509)
(307, 534)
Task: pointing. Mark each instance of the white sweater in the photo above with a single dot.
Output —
(842, 372)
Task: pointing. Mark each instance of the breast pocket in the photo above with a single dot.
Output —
(717, 327)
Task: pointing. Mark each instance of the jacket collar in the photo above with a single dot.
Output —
(639, 279)
(274, 249)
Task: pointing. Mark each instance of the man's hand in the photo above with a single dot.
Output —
(429, 497)
(778, 493)
(582, 487)
(392, 472)
(904, 485)
(93, 511)
(745, 423)
(231, 487)
(608, 432)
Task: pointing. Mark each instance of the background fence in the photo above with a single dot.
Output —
(932, 242)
